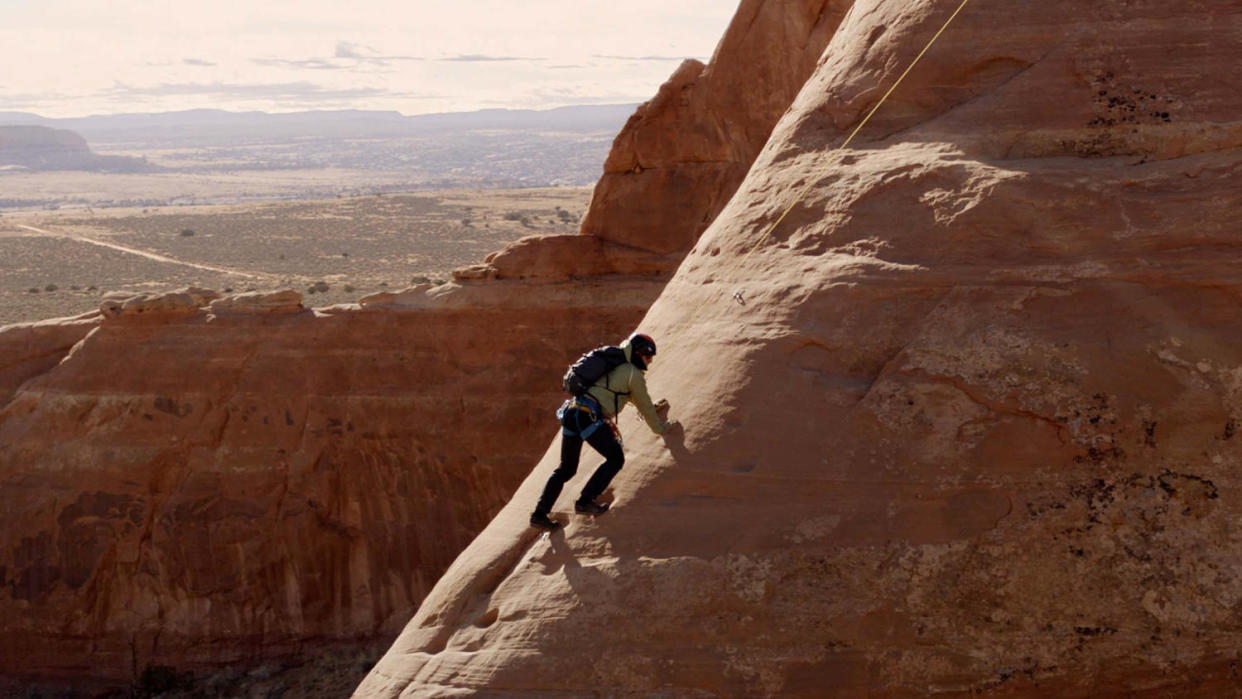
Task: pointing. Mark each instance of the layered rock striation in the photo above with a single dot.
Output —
(964, 422)
(203, 481)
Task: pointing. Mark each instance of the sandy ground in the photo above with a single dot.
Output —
(59, 263)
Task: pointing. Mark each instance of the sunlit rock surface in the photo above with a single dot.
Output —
(965, 422)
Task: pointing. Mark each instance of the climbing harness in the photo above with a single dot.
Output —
(581, 407)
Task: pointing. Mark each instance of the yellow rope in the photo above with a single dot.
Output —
(811, 181)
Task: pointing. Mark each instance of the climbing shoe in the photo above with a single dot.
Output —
(541, 521)
(588, 507)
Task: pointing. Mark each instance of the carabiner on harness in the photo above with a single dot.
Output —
(582, 409)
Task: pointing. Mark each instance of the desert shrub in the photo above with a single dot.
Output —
(321, 287)
(33, 290)
(349, 288)
(513, 216)
(50, 287)
(420, 279)
(187, 232)
(564, 215)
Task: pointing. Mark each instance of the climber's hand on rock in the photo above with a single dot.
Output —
(662, 404)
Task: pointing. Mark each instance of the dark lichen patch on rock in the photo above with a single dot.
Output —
(1121, 105)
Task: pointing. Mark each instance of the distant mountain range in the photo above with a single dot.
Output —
(41, 148)
(339, 151)
(212, 127)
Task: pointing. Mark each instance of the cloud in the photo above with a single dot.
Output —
(298, 91)
(345, 49)
(467, 52)
(347, 56)
(30, 100)
(478, 58)
(302, 64)
(642, 58)
(579, 95)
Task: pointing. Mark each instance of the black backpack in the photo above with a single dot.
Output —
(591, 367)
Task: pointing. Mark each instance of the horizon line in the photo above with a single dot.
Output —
(311, 111)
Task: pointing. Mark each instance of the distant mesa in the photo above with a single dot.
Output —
(30, 147)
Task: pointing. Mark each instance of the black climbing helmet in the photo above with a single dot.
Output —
(643, 344)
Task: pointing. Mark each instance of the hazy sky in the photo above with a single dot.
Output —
(80, 57)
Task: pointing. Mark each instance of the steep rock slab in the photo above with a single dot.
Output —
(196, 485)
(971, 426)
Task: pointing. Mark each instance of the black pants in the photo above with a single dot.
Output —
(601, 440)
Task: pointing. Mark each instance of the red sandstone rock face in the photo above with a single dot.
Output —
(215, 479)
(973, 429)
(30, 349)
(197, 485)
(681, 156)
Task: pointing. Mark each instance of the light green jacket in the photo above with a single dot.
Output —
(622, 384)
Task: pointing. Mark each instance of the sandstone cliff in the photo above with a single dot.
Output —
(208, 481)
(682, 155)
(972, 425)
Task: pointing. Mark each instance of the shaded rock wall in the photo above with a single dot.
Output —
(973, 429)
(200, 486)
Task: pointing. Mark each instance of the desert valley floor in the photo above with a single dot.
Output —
(61, 263)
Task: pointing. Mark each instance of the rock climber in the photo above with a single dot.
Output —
(592, 417)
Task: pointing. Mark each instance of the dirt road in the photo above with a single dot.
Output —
(71, 235)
